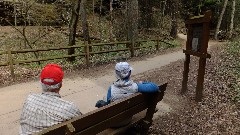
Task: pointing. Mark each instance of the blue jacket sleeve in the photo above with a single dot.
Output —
(109, 95)
(147, 87)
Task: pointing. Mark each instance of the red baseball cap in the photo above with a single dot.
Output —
(52, 71)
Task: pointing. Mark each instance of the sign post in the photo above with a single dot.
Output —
(196, 45)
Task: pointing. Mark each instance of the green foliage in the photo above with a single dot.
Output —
(173, 44)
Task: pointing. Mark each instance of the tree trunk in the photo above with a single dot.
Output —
(232, 18)
(15, 14)
(164, 7)
(146, 13)
(149, 15)
(174, 15)
(85, 25)
(73, 27)
(162, 14)
(84, 22)
(100, 21)
(132, 21)
(132, 24)
(93, 6)
(220, 19)
(111, 22)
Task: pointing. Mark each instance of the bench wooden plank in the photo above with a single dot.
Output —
(116, 131)
(102, 118)
(84, 121)
(108, 111)
(113, 120)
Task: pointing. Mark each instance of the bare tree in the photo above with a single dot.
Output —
(73, 26)
(220, 19)
(232, 18)
(84, 22)
(15, 13)
(25, 8)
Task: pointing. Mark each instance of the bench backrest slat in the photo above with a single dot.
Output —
(108, 112)
(113, 120)
(102, 118)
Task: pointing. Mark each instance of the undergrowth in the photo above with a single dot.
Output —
(233, 54)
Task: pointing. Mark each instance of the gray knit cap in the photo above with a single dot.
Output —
(122, 70)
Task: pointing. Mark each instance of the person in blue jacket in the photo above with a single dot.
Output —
(124, 86)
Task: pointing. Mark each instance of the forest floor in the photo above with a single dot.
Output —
(217, 114)
(178, 114)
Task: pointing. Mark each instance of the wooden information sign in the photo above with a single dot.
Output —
(196, 45)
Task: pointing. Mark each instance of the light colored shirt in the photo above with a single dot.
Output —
(44, 110)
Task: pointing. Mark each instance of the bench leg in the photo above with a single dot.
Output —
(152, 103)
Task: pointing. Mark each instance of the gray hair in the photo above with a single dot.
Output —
(46, 87)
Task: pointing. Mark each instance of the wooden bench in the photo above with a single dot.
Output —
(140, 105)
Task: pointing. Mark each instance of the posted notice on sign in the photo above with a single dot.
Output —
(195, 44)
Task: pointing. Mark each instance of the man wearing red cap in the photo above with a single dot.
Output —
(46, 109)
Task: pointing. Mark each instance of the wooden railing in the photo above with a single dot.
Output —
(129, 46)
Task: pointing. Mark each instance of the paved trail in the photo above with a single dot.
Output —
(84, 92)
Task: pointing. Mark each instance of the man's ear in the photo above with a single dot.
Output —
(57, 90)
(60, 85)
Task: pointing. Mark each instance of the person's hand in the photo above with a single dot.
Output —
(100, 103)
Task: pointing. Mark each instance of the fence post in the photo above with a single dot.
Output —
(157, 46)
(10, 61)
(87, 53)
(132, 48)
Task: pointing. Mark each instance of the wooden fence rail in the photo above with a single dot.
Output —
(130, 46)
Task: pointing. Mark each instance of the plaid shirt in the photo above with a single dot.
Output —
(44, 110)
